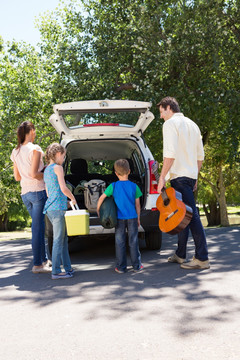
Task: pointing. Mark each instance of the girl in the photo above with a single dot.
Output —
(28, 165)
(55, 208)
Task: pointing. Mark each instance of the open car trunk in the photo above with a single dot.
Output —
(94, 159)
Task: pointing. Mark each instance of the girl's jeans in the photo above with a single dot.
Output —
(185, 186)
(60, 254)
(120, 243)
(34, 202)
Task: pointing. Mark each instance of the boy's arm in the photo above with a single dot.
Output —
(100, 201)
(138, 209)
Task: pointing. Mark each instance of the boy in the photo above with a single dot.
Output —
(126, 195)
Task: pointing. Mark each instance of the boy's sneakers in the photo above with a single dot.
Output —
(135, 270)
(119, 271)
(175, 259)
(196, 264)
(138, 270)
(71, 272)
(61, 276)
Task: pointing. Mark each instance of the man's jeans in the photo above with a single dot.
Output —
(185, 186)
(120, 243)
(60, 254)
(34, 202)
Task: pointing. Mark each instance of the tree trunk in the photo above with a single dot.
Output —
(3, 222)
(222, 200)
(212, 212)
(219, 191)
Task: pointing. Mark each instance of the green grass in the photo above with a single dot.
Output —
(233, 210)
(230, 209)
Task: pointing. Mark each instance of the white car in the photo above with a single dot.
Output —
(95, 134)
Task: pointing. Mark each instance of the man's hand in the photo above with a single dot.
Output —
(161, 184)
(167, 164)
(195, 186)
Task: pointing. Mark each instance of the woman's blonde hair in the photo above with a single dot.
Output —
(121, 167)
(52, 150)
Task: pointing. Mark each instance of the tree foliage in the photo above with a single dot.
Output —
(24, 95)
(148, 49)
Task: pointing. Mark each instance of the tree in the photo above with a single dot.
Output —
(24, 95)
(224, 174)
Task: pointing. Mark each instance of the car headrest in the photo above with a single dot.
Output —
(79, 166)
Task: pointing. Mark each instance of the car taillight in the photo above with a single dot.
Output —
(153, 182)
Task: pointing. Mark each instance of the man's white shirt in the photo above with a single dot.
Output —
(182, 141)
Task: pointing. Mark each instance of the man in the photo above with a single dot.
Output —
(183, 155)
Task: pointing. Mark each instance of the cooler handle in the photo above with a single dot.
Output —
(74, 207)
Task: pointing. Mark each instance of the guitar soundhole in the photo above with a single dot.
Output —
(166, 202)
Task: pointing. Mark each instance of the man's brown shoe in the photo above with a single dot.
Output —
(175, 259)
(196, 264)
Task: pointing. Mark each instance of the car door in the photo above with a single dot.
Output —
(101, 118)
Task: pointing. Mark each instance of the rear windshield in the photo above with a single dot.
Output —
(80, 119)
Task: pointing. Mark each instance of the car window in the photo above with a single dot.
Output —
(101, 167)
(138, 162)
(78, 119)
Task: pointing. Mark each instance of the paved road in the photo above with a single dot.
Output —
(163, 313)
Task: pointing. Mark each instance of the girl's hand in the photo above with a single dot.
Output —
(74, 201)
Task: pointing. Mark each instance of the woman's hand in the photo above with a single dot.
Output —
(34, 173)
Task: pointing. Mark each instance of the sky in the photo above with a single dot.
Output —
(17, 18)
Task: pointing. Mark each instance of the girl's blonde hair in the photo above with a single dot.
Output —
(52, 150)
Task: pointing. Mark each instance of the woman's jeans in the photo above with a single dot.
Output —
(185, 186)
(60, 254)
(34, 202)
(120, 243)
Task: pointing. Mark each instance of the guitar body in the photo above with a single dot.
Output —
(174, 214)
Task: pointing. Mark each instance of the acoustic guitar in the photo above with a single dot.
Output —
(174, 214)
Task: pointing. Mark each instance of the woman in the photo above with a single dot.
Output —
(28, 165)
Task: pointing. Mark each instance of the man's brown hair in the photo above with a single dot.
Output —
(171, 101)
(122, 167)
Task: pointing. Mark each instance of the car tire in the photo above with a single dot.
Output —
(153, 240)
(49, 235)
